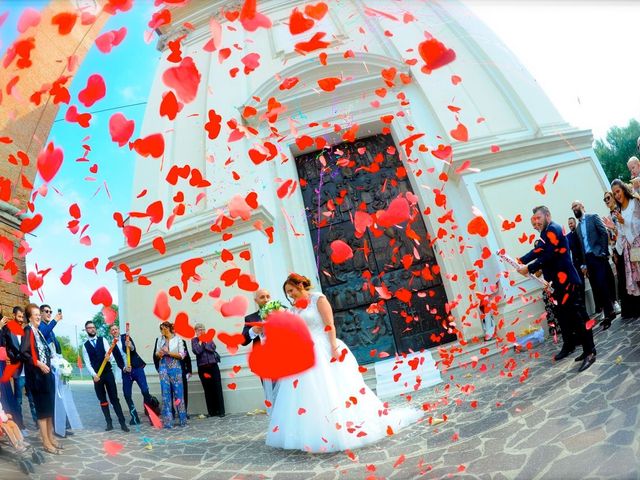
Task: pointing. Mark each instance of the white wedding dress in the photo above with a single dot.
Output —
(330, 408)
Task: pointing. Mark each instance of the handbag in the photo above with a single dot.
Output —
(634, 254)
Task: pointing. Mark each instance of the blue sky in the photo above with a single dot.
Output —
(580, 53)
(128, 71)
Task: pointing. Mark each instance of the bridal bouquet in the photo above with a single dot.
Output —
(64, 367)
(272, 306)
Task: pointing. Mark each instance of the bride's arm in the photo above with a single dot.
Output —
(327, 318)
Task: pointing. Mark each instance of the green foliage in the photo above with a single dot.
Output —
(102, 328)
(69, 353)
(614, 151)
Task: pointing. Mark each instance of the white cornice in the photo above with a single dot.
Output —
(524, 148)
(197, 233)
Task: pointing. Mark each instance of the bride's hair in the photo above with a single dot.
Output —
(298, 281)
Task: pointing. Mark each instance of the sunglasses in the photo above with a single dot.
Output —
(607, 199)
(47, 311)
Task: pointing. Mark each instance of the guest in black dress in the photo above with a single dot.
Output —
(38, 376)
(208, 358)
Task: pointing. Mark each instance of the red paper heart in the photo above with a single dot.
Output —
(169, 107)
(236, 307)
(102, 297)
(94, 91)
(316, 43)
(246, 282)
(29, 224)
(49, 162)
(15, 327)
(288, 349)
(108, 40)
(35, 281)
(72, 116)
(65, 278)
(213, 125)
(175, 292)
(251, 19)
(132, 234)
(109, 315)
(231, 341)
(340, 251)
(112, 448)
(155, 211)
(207, 337)
(151, 145)
(184, 79)
(316, 11)
(182, 326)
(478, 226)
(120, 128)
(329, 84)
(65, 22)
(158, 244)
(30, 18)
(161, 308)
(398, 212)
(460, 133)
(442, 152)
(435, 54)
(298, 23)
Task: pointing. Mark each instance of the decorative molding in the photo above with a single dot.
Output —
(197, 234)
(525, 148)
(364, 71)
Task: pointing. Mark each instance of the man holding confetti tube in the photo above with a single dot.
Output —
(96, 354)
(552, 256)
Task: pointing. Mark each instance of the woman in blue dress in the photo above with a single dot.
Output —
(167, 354)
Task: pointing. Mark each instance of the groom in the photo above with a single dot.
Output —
(254, 334)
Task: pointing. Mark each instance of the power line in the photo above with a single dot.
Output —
(109, 109)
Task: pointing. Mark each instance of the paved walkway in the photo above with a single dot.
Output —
(554, 424)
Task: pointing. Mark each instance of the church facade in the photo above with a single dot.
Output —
(388, 129)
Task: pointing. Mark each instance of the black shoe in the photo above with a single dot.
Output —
(563, 354)
(69, 433)
(606, 323)
(109, 428)
(221, 415)
(582, 356)
(587, 362)
(124, 427)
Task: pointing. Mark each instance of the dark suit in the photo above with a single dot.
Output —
(554, 258)
(596, 259)
(577, 255)
(252, 318)
(187, 369)
(135, 375)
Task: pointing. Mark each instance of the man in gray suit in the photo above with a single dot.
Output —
(594, 241)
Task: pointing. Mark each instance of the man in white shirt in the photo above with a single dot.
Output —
(94, 351)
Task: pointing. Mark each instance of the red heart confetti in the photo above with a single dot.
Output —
(49, 162)
(94, 91)
(120, 128)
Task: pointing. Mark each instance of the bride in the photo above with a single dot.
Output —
(328, 408)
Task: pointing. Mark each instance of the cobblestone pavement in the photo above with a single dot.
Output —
(555, 424)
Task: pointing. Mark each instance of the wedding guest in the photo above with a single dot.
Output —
(628, 241)
(167, 353)
(207, 359)
(626, 303)
(187, 371)
(6, 392)
(36, 354)
(552, 256)
(131, 372)
(12, 431)
(47, 325)
(94, 351)
(594, 242)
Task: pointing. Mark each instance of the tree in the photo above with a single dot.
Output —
(69, 353)
(616, 149)
(102, 329)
